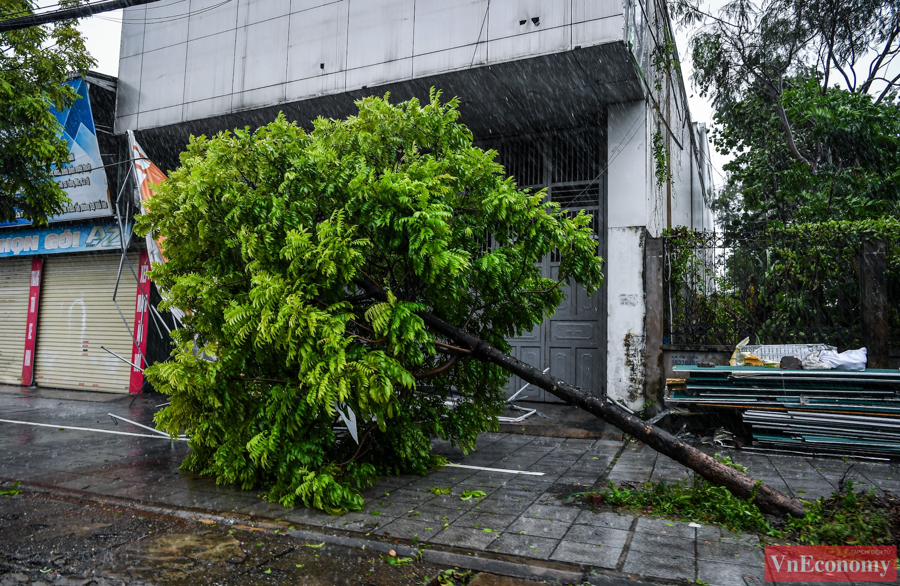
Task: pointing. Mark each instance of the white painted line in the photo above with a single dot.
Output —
(156, 431)
(496, 469)
(91, 429)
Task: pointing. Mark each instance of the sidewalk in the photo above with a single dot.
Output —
(523, 520)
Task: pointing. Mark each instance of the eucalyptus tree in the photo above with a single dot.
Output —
(805, 99)
(365, 275)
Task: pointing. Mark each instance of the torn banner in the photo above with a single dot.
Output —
(146, 176)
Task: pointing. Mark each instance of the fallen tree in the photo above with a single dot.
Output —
(357, 276)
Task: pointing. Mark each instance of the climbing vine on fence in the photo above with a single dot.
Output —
(793, 284)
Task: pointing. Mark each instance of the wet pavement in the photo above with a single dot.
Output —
(523, 526)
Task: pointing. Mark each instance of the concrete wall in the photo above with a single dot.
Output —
(639, 209)
(630, 204)
(188, 60)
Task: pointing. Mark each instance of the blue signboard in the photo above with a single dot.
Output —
(84, 178)
(85, 237)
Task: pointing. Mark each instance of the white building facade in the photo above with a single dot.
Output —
(577, 96)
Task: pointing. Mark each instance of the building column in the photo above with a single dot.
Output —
(629, 196)
(34, 299)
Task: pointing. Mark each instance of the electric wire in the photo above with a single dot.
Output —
(162, 19)
(35, 9)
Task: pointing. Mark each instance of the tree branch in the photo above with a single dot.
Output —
(439, 370)
(887, 90)
(742, 485)
(453, 348)
(789, 136)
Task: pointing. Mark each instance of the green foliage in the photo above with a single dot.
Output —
(664, 61)
(805, 103)
(660, 156)
(856, 170)
(452, 577)
(303, 261)
(13, 490)
(470, 494)
(695, 500)
(35, 63)
(790, 285)
(848, 517)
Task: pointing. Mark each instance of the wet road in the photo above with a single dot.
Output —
(73, 542)
(524, 525)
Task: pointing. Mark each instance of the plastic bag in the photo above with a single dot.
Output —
(736, 358)
(849, 360)
(812, 362)
(741, 358)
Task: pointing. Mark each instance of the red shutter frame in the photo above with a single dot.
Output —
(34, 300)
(141, 322)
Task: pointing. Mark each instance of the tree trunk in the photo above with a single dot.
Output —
(767, 499)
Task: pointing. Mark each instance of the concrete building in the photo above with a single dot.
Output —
(578, 96)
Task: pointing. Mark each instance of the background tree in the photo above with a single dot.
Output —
(805, 99)
(375, 264)
(35, 63)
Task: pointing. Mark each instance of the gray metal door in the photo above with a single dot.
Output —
(15, 281)
(78, 319)
(572, 342)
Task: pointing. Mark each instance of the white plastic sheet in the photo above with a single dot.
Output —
(849, 360)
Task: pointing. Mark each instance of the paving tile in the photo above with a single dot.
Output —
(524, 545)
(554, 513)
(485, 520)
(303, 515)
(261, 508)
(730, 552)
(669, 545)
(433, 513)
(467, 537)
(229, 504)
(717, 574)
(454, 502)
(508, 502)
(664, 527)
(606, 519)
(409, 495)
(599, 536)
(591, 555)
(659, 563)
(539, 527)
(353, 521)
(409, 529)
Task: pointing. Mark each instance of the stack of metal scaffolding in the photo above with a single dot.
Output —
(821, 410)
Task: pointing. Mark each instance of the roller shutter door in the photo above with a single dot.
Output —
(77, 317)
(15, 280)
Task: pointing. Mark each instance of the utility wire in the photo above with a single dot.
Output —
(14, 24)
(154, 20)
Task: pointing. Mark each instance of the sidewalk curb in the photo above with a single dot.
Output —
(503, 564)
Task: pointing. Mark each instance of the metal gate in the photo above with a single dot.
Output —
(572, 342)
(77, 317)
(15, 280)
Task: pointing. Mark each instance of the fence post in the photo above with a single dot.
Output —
(873, 302)
(654, 381)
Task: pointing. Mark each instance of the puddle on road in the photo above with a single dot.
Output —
(204, 547)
